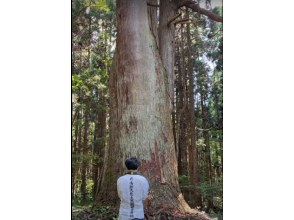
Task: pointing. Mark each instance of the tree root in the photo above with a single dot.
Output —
(165, 213)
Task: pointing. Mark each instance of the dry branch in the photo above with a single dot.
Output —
(196, 8)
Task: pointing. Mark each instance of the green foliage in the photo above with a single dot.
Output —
(89, 186)
(218, 10)
(93, 36)
(200, 144)
(88, 157)
(206, 48)
(77, 200)
(214, 191)
(100, 212)
(76, 82)
(216, 214)
(102, 209)
(183, 180)
(216, 41)
(100, 5)
(208, 189)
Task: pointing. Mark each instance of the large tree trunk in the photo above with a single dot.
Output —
(140, 114)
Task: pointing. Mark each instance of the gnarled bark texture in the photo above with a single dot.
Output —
(140, 115)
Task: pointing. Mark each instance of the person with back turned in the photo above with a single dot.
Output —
(132, 190)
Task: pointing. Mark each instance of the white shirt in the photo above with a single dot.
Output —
(132, 190)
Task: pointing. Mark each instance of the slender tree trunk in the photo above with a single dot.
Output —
(80, 63)
(180, 139)
(177, 101)
(167, 12)
(140, 114)
(73, 58)
(99, 143)
(183, 108)
(74, 153)
(207, 148)
(174, 128)
(84, 154)
(75, 116)
(78, 155)
(198, 200)
(219, 128)
(102, 125)
(221, 146)
(192, 144)
(89, 43)
(193, 168)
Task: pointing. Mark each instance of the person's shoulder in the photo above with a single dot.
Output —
(143, 180)
(120, 178)
(142, 177)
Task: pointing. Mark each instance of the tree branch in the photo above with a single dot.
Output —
(181, 3)
(174, 18)
(183, 21)
(202, 129)
(196, 8)
(152, 5)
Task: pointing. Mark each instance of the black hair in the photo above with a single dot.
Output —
(132, 163)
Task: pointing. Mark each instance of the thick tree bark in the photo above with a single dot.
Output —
(153, 20)
(140, 114)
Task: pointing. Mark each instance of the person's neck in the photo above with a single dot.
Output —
(132, 172)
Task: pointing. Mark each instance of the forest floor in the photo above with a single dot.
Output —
(110, 213)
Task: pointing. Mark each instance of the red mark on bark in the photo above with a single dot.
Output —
(152, 168)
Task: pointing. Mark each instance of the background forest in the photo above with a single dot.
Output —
(197, 105)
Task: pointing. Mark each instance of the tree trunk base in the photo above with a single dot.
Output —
(165, 213)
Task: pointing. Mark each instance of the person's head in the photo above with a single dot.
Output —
(132, 163)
